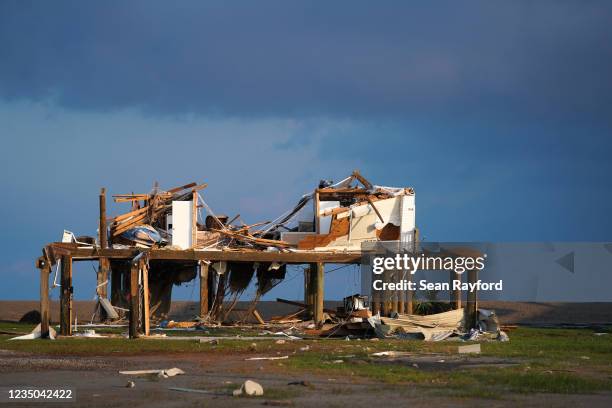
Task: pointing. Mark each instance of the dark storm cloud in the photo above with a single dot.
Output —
(399, 59)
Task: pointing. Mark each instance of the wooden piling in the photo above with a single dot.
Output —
(455, 294)
(145, 297)
(45, 271)
(203, 266)
(134, 300)
(104, 263)
(66, 296)
(319, 295)
(471, 309)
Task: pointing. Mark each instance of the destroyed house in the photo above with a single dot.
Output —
(168, 237)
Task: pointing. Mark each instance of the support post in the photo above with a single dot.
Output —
(455, 294)
(104, 263)
(145, 297)
(318, 306)
(134, 300)
(203, 266)
(312, 290)
(471, 310)
(45, 271)
(66, 296)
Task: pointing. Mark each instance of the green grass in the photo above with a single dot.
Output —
(563, 361)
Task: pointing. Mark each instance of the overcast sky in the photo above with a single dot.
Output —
(499, 114)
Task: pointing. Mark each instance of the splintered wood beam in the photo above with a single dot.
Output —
(181, 188)
(375, 209)
(362, 180)
(134, 213)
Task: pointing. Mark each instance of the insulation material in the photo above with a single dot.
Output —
(325, 221)
(182, 224)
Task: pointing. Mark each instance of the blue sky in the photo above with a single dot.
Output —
(499, 114)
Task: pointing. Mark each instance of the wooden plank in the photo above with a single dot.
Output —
(258, 317)
(301, 257)
(303, 305)
(134, 301)
(145, 293)
(66, 296)
(127, 215)
(375, 209)
(181, 188)
(45, 271)
(204, 289)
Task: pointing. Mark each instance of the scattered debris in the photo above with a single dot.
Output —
(171, 372)
(302, 383)
(249, 388)
(470, 349)
(36, 334)
(193, 390)
(266, 358)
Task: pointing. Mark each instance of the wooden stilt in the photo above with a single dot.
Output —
(145, 297)
(66, 296)
(455, 294)
(203, 266)
(471, 309)
(134, 300)
(319, 295)
(220, 296)
(312, 290)
(408, 305)
(45, 271)
(401, 301)
(104, 263)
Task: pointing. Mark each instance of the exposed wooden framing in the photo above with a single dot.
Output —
(203, 266)
(211, 255)
(45, 271)
(471, 309)
(145, 298)
(134, 300)
(362, 180)
(455, 294)
(66, 296)
(319, 294)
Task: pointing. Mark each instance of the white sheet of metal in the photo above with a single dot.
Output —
(182, 224)
(408, 222)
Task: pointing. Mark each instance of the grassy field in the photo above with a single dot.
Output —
(561, 361)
